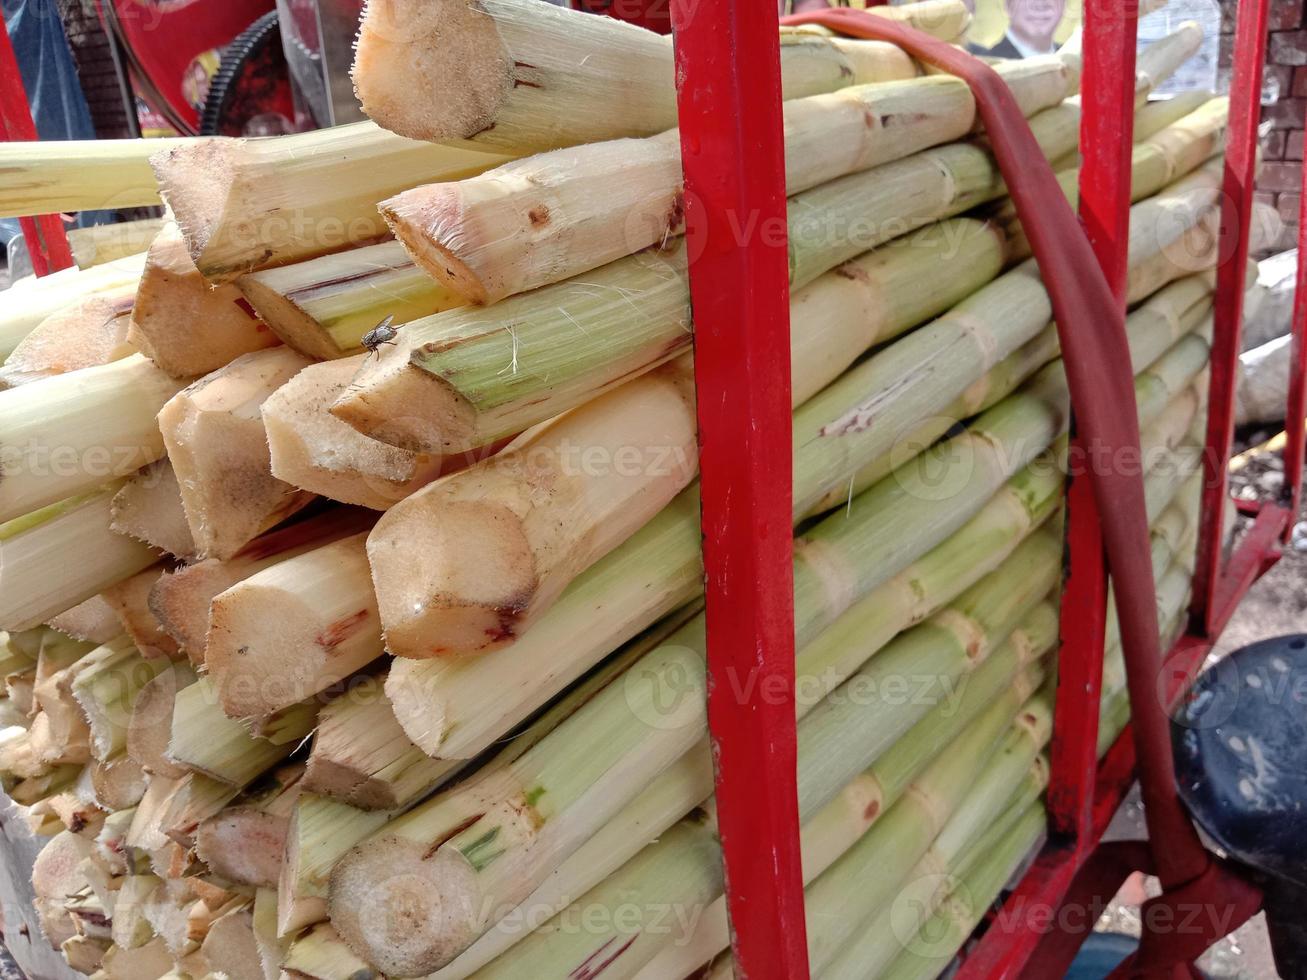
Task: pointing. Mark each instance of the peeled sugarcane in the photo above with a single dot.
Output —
(106, 683)
(243, 844)
(99, 244)
(181, 322)
(605, 470)
(247, 204)
(27, 303)
(150, 728)
(493, 863)
(148, 507)
(315, 451)
(56, 557)
(204, 740)
(994, 693)
(520, 78)
(427, 595)
(79, 175)
(93, 620)
(219, 452)
(73, 432)
(456, 708)
(462, 378)
(181, 600)
(324, 306)
(229, 948)
(323, 830)
(984, 874)
(88, 333)
(361, 756)
(927, 889)
(118, 782)
(537, 221)
(130, 601)
(866, 878)
(293, 629)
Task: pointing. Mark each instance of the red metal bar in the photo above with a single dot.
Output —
(1106, 143)
(1231, 273)
(733, 155)
(1297, 403)
(44, 235)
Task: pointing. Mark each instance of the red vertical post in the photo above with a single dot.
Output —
(733, 155)
(1106, 143)
(44, 235)
(1297, 403)
(1227, 314)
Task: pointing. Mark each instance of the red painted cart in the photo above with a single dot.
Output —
(728, 63)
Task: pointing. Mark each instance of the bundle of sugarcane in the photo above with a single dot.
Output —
(198, 702)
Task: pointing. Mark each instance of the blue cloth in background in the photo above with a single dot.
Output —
(50, 77)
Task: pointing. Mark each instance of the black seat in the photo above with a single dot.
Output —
(1240, 741)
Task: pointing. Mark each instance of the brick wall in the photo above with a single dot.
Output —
(1280, 183)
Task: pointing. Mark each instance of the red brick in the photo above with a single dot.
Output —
(1287, 205)
(1286, 114)
(1280, 177)
(1289, 48)
(1273, 144)
(1285, 15)
(1265, 197)
(1293, 145)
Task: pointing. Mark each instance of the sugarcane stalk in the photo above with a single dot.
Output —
(70, 433)
(362, 757)
(98, 244)
(323, 307)
(92, 620)
(537, 221)
(243, 844)
(272, 950)
(838, 906)
(181, 600)
(61, 555)
(490, 866)
(79, 175)
(327, 627)
(105, 685)
(876, 945)
(148, 507)
(944, 934)
(827, 832)
(130, 601)
(28, 302)
(181, 322)
(150, 728)
(118, 782)
(315, 451)
(1156, 114)
(609, 467)
(87, 333)
(456, 708)
(465, 377)
(323, 830)
(229, 947)
(219, 451)
(321, 955)
(247, 204)
(520, 78)
(206, 741)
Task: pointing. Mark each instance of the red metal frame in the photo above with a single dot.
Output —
(44, 234)
(1236, 214)
(740, 294)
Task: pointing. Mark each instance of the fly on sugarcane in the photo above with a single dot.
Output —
(382, 333)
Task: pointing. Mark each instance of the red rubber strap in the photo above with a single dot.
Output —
(1096, 354)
